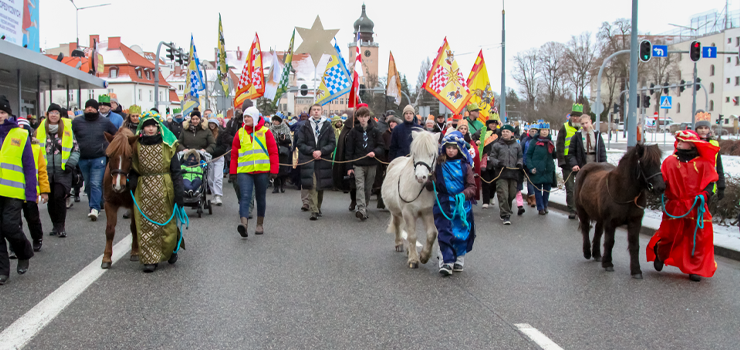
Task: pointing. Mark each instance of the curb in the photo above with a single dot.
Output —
(649, 231)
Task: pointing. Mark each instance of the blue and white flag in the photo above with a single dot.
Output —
(336, 80)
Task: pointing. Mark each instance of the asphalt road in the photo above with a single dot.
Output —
(338, 284)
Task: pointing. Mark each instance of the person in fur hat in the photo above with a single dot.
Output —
(196, 135)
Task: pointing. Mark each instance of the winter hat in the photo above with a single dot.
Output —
(276, 118)
(577, 110)
(5, 105)
(214, 121)
(92, 103)
(23, 123)
(393, 118)
(409, 108)
(55, 107)
(336, 118)
(702, 119)
(104, 100)
(252, 112)
(247, 104)
(390, 112)
(508, 127)
(195, 112)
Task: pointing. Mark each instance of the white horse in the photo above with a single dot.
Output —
(404, 195)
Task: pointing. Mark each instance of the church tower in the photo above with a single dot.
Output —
(368, 46)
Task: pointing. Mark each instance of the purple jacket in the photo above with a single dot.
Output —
(29, 166)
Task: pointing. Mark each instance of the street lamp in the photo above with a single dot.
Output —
(77, 20)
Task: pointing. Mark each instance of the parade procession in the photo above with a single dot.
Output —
(289, 186)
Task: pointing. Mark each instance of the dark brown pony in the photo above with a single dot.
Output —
(116, 196)
(614, 196)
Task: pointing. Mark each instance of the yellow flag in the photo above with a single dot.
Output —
(480, 88)
(446, 82)
(394, 81)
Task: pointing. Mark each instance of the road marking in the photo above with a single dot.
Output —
(18, 334)
(542, 340)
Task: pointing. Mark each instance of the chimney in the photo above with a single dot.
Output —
(96, 38)
(177, 70)
(72, 47)
(114, 43)
(238, 53)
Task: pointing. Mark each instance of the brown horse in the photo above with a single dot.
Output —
(114, 190)
(613, 196)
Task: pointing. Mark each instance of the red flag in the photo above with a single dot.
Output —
(354, 92)
(252, 80)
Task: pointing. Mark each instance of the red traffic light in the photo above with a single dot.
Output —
(695, 51)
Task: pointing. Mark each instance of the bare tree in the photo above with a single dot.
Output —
(552, 64)
(659, 71)
(614, 37)
(581, 54)
(526, 74)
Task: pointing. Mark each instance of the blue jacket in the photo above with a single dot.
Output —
(401, 139)
(115, 118)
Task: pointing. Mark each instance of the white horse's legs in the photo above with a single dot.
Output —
(396, 227)
(410, 227)
(426, 252)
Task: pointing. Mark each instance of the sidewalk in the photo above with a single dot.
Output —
(726, 238)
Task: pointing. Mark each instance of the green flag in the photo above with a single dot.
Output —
(288, 61)
(222, 69)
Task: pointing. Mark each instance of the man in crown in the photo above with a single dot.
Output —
(685, 236)
(562, 147)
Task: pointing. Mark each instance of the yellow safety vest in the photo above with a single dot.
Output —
(716, 143)
(12, 179)
(67, 139)
(36, 150)
(569, 132)
(253, 156)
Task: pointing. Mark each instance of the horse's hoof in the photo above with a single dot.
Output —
(134, 258)
(414, 265)
(637, 276)
(587, 255)
(609, 269)
(597, 258)
(105, 265)
(399, 248)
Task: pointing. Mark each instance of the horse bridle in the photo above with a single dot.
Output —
(648, 185)
(429, 167)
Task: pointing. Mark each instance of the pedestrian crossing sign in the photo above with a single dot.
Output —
(666, 102)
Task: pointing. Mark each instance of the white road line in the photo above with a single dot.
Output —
(542, 340)
(18, 334)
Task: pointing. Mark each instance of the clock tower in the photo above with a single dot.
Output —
(368, 46)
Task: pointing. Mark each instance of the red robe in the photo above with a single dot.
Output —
(684, 181)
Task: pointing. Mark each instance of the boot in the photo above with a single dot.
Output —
(275, 189)
(531, 200)
(242, 228)
(259, 229)
(352, 206)
(282, 187)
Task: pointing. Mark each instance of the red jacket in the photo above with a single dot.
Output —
(272, 150)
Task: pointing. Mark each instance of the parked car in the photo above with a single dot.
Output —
(620, 126)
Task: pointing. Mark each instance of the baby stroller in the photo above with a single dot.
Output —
(194, 167)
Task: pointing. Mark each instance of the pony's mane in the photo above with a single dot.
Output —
(424, 142)
(651, 154)
(120, 145)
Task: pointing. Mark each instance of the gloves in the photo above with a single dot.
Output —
(429, 186)
(720, 194)
(133, 181)
(232, 177)
(273, 176)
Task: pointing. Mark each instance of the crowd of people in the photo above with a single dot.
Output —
(49, 160)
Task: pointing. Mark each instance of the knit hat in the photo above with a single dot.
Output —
(214, 121)
(577, 110)
(252, 112)
(247, 104)
(508, 127)
(55, 107)
(23, 123)
(5, 105)
(390, 112)
(335, 119)
(92, 103)
(409, 108)
(195, 112)
(104, 100)
(392, 118)
(702, 119)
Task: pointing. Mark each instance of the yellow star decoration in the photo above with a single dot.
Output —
(316, 41)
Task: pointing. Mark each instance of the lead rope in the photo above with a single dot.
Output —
(699, 217)
(459, 206)
(177, 212)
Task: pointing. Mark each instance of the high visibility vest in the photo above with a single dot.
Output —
(67, 139)
(569, 132)
(253, 152)
(12, 179)
(714, 142)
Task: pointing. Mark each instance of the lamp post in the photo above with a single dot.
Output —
(77, 17)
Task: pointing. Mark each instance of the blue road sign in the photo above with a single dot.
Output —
(666, 102)
(660, 50)
(709, 52)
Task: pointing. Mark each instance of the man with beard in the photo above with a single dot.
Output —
(562, 148)
(586, 146)
(105, 111)
(90, 132)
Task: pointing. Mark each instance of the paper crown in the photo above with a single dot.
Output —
(134, 109)
(103, 99)
(578, 108)
(543, 125)
(430, 117)
(703, 116)
(457, 117)
(494, 116)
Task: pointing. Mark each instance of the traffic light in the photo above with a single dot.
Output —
(185, 57)
(304, 90)
(697, 84)
(719, 120)
(616, 108)
(695, 51)
(646, 101)
(639, 98)
(170, 53)
(682, 87)
(646, 50)
(178, 55)
(653, 90)
(665, 88)
(167, 110)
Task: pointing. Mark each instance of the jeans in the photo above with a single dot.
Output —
(93, 170)
(542, 197)
(192, 185)
(216, 177)
(364, 179)
(247, 182)
(530, 188)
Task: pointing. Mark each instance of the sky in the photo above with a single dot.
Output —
(412, 30)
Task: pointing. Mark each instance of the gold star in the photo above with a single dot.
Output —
(316, 41)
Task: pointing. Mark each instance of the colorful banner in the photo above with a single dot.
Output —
(191, 98)
(288, 65)
(394, 81)
(222, 68)
(480, 88)
(336, 80)
(446, 82)
(354, 93)
(252, 80)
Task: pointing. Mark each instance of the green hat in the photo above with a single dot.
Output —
(577, 110)
(508, 127)
(104, 100)
(336, 118)
(134, 109)
(473, 107)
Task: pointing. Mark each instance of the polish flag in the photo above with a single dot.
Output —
(354, 92)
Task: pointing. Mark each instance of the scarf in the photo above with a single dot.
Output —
(53, 129)
(545, 141)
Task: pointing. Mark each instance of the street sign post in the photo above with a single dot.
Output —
(660, 50)
(666, 102)
(709, 52)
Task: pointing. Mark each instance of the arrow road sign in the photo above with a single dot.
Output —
(709, 52)
(666, 102)
(660, 50)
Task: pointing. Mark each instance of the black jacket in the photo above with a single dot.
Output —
(401, 139)
(223, 143)
(306, 144)
(175, 127)
(577, 153)
(357, 147)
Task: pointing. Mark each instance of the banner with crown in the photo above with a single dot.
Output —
(446, 82)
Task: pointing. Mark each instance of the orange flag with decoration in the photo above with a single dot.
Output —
(394, 81)
(446, 82)
(252, 80)
(480, 88)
